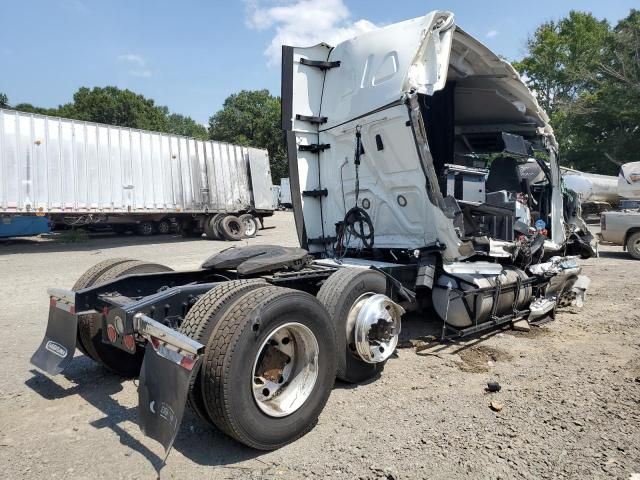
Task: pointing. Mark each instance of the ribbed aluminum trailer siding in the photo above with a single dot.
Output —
(54, 165)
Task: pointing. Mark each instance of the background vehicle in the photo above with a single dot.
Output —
(598, 193)
(255, 337)
(87, 174)
(622, 227)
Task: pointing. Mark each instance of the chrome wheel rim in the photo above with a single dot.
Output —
(164, 227)
(249, 227)
(373, 327)
(285, 369)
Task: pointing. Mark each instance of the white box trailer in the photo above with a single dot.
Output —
(86, 173)
(285, 193)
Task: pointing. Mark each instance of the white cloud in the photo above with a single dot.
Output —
(493, 33)
(137, 64)
(303, 23)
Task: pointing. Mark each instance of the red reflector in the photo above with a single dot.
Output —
(112, 335)
(129, 342)
(187, 362)
(52, 301)
(72, 310)
(155, 343)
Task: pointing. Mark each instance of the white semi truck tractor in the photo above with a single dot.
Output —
(386, 137)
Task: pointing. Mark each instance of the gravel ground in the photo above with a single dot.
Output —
(570, 393)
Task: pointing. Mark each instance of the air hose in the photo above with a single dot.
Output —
(357, 222)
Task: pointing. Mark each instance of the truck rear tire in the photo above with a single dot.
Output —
(633, 245)
(270, 367)
(231, 228)
(87, 279)
(200, 323)
(250, 225)
(163, 227)
(145, 229)
(90, 326)
(338, 294)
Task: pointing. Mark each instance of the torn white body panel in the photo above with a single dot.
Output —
(414, 145)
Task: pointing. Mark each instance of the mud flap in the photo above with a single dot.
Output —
(59, 345)
(162, 395)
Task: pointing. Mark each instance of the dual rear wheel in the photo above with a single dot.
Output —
(269, 362)
(271, 353)
(89, 339)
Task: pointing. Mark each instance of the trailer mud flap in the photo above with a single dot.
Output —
(162, 394)
(59, 345)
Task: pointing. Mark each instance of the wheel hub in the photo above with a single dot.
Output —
(285, 369)
(373, 327)
(249, 227)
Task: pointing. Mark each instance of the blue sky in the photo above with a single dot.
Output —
(190, 55)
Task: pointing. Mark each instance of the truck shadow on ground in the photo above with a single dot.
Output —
(94, 243)
(199, 442)
(617, 255)
(196, 440)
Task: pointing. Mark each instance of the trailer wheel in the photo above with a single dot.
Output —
(231, 228)
(87, 279)
(269, 367)
(211, 226)
(90, 326)
(633, 245)
(145, 229)
(250, 225)
(163, 227)
(339, 295)
(201, 321)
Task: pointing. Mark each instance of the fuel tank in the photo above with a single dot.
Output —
(461, 311)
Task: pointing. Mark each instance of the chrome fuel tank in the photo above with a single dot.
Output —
(461, 311)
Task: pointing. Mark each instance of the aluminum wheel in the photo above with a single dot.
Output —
(285, 369)
(164, 227)
(250, 226)
(373, 327)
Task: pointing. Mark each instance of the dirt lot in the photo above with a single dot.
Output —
(570, 391)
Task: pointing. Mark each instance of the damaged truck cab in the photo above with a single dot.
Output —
(424, 177)
(414, 144)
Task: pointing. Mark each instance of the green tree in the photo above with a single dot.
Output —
(27, 107)
(562, 58)
(4, 100)
(563, 67)
(124, 108)
(186, 126)
(605, 122)
(114, 106)
(252, 118)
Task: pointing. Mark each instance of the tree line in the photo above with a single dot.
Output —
(586, 75)
(584, 71)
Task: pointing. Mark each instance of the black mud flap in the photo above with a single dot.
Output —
(162, 395)
(59, 345)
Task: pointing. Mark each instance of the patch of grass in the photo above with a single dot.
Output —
(75, 235)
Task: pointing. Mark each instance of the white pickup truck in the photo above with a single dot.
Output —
(622, 228)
